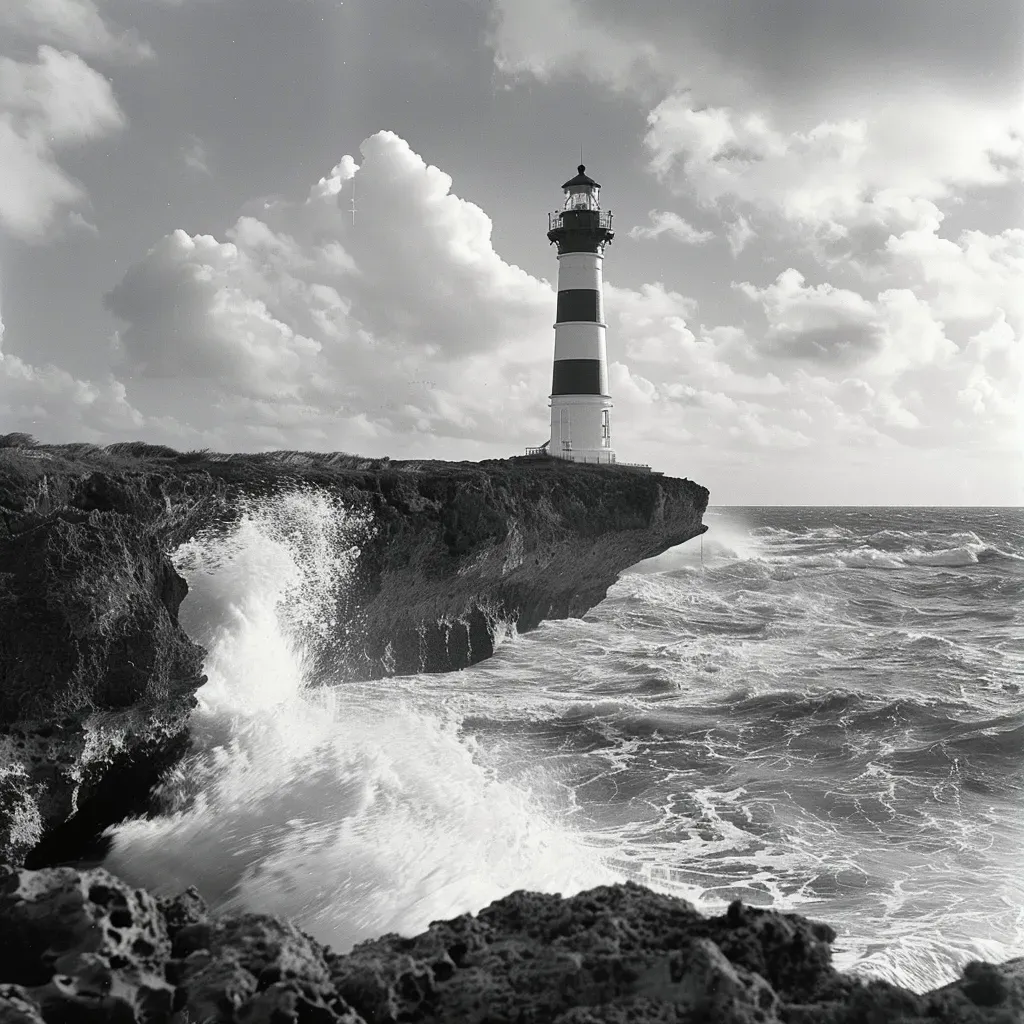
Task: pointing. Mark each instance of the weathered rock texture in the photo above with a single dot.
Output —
(84, 946)
(97, 678)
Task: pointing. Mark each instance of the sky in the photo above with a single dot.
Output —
(815, 293)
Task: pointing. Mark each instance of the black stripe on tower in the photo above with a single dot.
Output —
(576, 377)
(579, 304)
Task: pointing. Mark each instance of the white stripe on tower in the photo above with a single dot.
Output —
(576, 340)
(580, 270)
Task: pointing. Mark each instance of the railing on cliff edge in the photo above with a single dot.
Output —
(543, 452)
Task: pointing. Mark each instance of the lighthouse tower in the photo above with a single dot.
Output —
(580, 403)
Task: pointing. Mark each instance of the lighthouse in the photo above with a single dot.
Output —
(580, 404)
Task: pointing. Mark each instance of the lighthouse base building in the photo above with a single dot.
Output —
(581, 406)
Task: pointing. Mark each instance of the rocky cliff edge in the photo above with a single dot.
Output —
(97, 678)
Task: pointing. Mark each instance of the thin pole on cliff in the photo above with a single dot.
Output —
(702, 554)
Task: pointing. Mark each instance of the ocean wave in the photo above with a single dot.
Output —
(897, 539)
(922, 962)
(998, 737)
(967, 554)
(851, 710)
(819, 534)
(866, 556)
(828, 547)
(349, 809)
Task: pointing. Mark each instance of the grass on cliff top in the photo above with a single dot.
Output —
(35, 460)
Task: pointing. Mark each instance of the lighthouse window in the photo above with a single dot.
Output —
(606, 429)
(583, 200)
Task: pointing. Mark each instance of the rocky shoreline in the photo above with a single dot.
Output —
(82, 946)
(98, 679)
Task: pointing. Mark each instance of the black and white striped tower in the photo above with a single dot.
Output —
(580, 403)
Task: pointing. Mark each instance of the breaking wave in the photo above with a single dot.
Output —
(349, 811)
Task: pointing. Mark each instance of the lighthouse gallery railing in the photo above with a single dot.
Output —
(604, 219)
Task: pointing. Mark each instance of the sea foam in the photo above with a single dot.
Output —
(350, 811)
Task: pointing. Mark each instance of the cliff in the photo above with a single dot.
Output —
(97, 678)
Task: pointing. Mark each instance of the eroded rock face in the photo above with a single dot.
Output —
(97, 678)
(83, 945)
(96, 950)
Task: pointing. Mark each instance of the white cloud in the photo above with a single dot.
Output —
(821, 324)
(332, 184)
(884, 169)
(829, 367)
(970, 279)
(739, 233)
(994, 388)
(831, 326)
(203, 317)
(51, 402)
(194, 155)
(406, 321)
(58, 101)
(553, 38)
(664, 222)
(799, 53)
(76, 24)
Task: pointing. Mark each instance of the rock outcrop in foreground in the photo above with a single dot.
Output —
(97, 678)
(83, 946)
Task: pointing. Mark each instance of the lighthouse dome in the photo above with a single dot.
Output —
(582, 178)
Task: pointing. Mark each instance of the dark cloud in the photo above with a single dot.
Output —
(840, 345)
(790, 45)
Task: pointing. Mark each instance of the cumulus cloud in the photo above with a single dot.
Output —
(885, 169)
(819, 323)
(51, 402)
(833, 326)
(75, 24)
(664, 222)
(202, 318)
(819, 368)
(56, 102)
(405, 321)
(973, 278)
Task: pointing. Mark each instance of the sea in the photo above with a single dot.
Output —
(817, 710)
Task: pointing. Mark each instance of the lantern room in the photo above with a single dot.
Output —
(582, 192)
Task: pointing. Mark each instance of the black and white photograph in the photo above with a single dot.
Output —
(511, 512)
